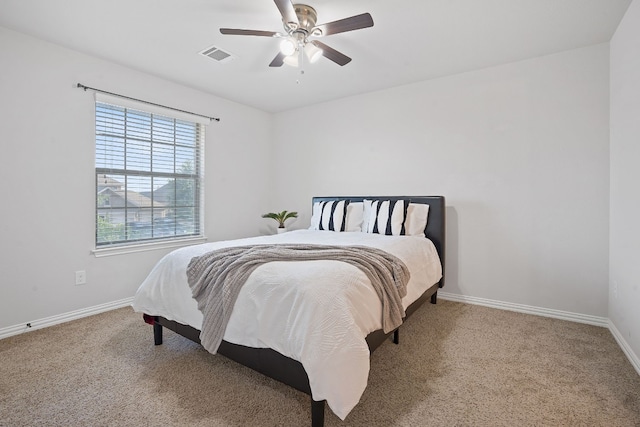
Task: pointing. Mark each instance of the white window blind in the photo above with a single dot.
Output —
(149, 174)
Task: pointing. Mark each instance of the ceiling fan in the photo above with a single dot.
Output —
(300, 25)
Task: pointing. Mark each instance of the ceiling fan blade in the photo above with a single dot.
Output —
(343, 25)
(288, 13)
(278, 60)
(332, 54)
(236, 32)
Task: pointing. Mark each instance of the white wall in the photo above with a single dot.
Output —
(520, 151)
(47, 176)
(624, 292)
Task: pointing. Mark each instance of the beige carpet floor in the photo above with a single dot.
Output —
(456, 365)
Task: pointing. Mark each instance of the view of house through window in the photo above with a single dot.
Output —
(148, 176)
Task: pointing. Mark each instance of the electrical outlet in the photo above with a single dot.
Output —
(615, 289)
(81, 277)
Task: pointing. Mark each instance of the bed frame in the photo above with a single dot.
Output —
(291, 372)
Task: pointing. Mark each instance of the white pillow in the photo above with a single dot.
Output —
(315, 216)
(416, 222)
(330, 215)
(366, 213)
(387, 217)
(355, 216)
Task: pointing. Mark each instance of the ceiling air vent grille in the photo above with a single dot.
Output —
(218, 54)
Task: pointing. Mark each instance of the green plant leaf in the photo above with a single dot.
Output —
(280, 217)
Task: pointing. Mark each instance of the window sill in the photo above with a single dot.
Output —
(144, 247)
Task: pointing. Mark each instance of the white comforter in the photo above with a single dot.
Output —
(316, 312)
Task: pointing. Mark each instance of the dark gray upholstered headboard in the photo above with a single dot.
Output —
(435, 229)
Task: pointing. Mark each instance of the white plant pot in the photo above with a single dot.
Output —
(282, 230)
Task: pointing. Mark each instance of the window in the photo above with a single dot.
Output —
(149, 181)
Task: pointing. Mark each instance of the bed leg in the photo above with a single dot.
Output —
(434, 298)
(396, 336)
(317, 413)
(157, 333)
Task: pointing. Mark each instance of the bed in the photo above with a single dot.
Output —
(289, 355)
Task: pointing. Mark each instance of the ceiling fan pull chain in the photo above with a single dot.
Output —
(300, 62)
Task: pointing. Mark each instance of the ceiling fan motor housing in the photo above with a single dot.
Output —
(307, 18)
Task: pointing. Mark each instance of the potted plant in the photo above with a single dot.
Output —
(281, 217)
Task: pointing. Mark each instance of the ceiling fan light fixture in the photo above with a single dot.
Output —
(291, 60)
(313, 52)
(287, 46)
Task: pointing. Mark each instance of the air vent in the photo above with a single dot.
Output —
(218, 54)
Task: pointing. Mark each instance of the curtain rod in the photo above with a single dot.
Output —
(81, 86)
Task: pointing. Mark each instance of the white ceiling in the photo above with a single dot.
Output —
(410, 41)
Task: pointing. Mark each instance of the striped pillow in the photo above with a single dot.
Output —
(330, 215)
(387, 217)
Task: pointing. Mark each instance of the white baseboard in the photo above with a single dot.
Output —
(528, 309)
(62, 318)
(626, 348)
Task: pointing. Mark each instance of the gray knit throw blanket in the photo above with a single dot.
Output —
(216, 278)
